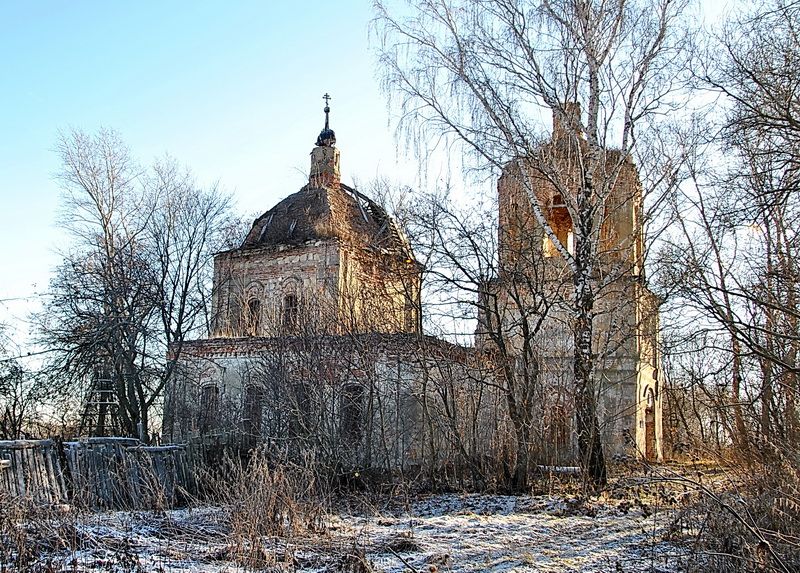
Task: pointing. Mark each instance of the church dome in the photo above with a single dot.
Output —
(326, 137)
(326, 210)
(323, 214)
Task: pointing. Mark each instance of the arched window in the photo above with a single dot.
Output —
(561, 223)
(290, 312)
(300, 409)
(234, 318)
(253, 317)
(209, 407)
(253, 411)
(649, 399)
(352, 412)
(650, 452)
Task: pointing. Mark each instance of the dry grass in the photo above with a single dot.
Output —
(263, 501)
(29, 529)
(261, 514)
(747, 518)
(274, 517)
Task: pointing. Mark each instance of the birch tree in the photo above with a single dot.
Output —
(480, 73)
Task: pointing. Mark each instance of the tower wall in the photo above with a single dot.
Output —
(309, 273)
(534, 273)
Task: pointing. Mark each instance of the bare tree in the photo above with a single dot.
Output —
(21, 391)
(480, 73)
(460, 247)
(734, 257)
(757, 77)
(132, 284)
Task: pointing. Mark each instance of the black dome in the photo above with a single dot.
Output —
(326, 137)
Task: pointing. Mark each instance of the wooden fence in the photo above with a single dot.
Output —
(121, 473)
(30, 468)
(108, 473)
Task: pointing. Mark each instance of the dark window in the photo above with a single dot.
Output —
(253, 410)
(235, 325)
(254, 317)
(352, 418)
(290, 311)
(300, 409)
(209, 407)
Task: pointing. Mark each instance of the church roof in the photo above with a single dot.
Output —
(326, 209)
(328, 213)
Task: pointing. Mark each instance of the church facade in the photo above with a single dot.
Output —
(317, 346)
(317, 343)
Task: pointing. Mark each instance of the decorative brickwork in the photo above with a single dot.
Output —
(330, 251)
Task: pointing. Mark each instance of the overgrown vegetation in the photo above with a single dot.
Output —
(723, 254)
(133, 282)
(30, 530)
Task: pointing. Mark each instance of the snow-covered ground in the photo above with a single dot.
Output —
(493, 533)
(451, 532)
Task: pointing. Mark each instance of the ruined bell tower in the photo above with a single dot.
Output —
(537, 209)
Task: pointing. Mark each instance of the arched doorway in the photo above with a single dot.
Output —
(650, 425)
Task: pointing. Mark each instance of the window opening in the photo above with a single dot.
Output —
(209, 407)
(352, 413)
(650, 426)
(290, 311)
(253, 410)
(254, 317)
(561, 224)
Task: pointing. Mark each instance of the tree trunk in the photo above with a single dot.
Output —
(766, 398)
(590, 448)
(742, 438)
(519, 481)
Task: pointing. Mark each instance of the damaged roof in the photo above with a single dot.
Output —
(321, 214)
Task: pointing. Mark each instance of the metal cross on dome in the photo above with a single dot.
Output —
(327, 109)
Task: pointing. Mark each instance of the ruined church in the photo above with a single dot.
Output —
(317, 345)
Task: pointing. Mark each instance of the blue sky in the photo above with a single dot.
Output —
(232, 90)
